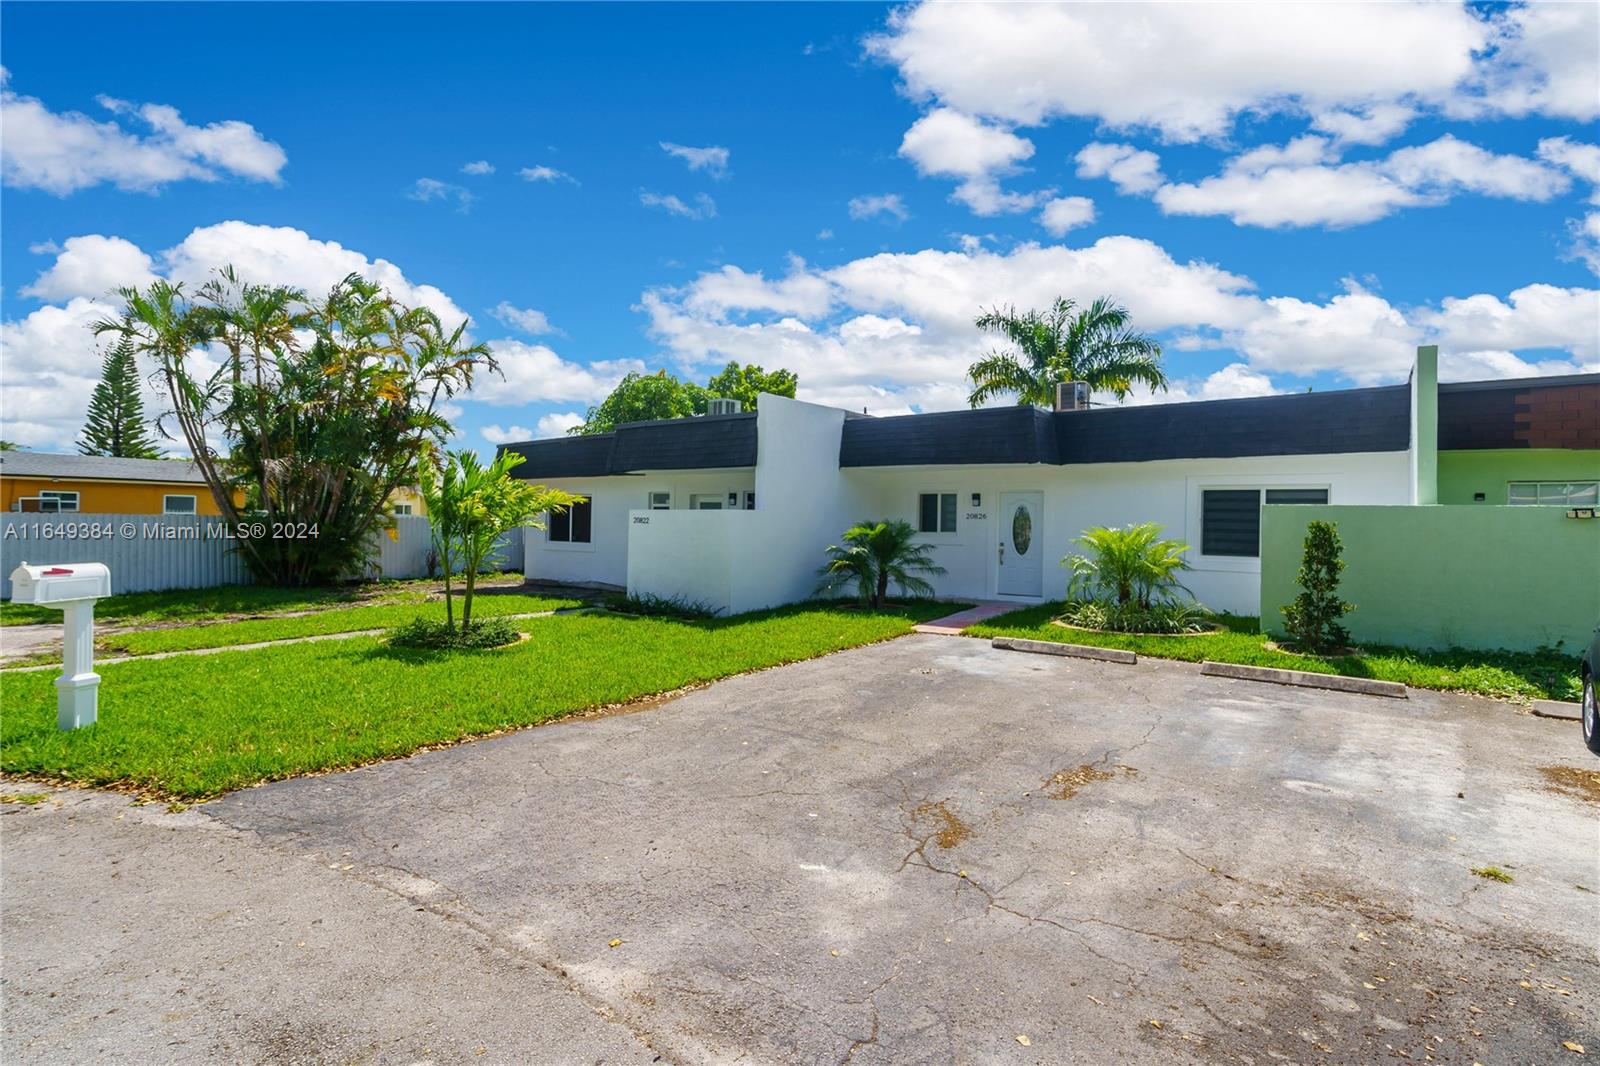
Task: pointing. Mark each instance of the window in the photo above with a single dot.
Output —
(177, 505)
(573, 525)
(54, 500)
(706, 501)
(749, 501)
(936, 512)
(402, 508)
(1230, 519)
(660, 501)
(1554, 493)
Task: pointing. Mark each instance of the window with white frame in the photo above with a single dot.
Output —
(178, 504)
(749, 500)
(572, 525)
(1554, 493)
(1230, 519)
(58, 500)
(403, 508)
(936, 512)
(660, 501)
(706, 501)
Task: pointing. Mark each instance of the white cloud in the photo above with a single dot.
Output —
(946, 143)
(712, 159)
(495, 434)
(61, 152)
(534, 373)
(556, 425)
(1067, 213)
(426, 189)
(801, 293)
(1297, 185)
(1577, 158)
(894, 331)
(1185, 70)
(1131, 169)
(703, 207)
(479, 167)
(92, 266)
(887, 204)
(287, 256)
(1545, 62)
(546, 174)
(526, 319)
(52, 360)
(1374, 124)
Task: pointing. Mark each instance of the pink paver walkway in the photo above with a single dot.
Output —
(951, 625)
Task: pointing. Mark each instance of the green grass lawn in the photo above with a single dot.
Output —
(340, 620)
(1501, 674)
(196, 726)
(199, 605)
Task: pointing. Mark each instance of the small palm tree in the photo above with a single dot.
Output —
(1128, 565)
(876, 554)
(1093, 344)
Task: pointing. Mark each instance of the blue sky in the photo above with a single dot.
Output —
(1289, 199)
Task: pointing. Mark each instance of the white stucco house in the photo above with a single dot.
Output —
(735, 510)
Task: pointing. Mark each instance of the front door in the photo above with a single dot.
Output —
(1021, 534)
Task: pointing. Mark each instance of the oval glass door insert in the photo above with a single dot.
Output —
(1021, 529)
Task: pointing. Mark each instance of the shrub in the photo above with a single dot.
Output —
(1312, 620)
(1167, 616)
(1129, 564)
(876, 554)
(425, 633)
(652, 606)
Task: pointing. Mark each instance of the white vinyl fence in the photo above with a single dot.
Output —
(151, 552)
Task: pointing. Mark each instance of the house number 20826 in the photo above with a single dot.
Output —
(977, 516)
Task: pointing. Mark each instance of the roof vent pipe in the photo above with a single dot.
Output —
(1072, 396)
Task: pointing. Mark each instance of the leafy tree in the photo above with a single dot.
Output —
(646, 397)
(1094, 344)
(8, 446)
(746, 383)
(1313, 618)
(1127, 565)
(470, 507)
(642, 398)
(116, 424)
(876, 554)
(322, 407)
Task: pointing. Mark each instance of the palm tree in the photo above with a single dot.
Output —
(873, 555)
(1066, 343)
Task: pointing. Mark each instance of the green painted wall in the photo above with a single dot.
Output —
(1463, 473)
(1474, 576)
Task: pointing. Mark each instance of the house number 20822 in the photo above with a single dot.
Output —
(641, 520)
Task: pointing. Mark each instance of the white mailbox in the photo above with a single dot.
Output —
(72, 588)
(61, 583)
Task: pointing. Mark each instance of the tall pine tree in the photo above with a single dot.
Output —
(116, 424)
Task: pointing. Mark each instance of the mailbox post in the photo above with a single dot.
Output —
(72, 589)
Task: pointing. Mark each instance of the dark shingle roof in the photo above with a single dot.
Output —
(1354, 420)
(98, 467)
(701, 443)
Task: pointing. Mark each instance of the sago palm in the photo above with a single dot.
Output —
(875, 555)
(1130, 564)
(1066, 343)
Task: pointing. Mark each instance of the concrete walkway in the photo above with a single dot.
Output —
(951, 625)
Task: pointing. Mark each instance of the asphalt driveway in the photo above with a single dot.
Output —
(923, 851)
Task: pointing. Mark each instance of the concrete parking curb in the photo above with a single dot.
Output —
(1075, 651)
(1559, 709)
(1337, 682)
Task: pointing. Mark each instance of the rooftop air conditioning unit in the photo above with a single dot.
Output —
(723, 405)
(1072, 396)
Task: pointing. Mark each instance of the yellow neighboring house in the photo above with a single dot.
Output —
(96, 484)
